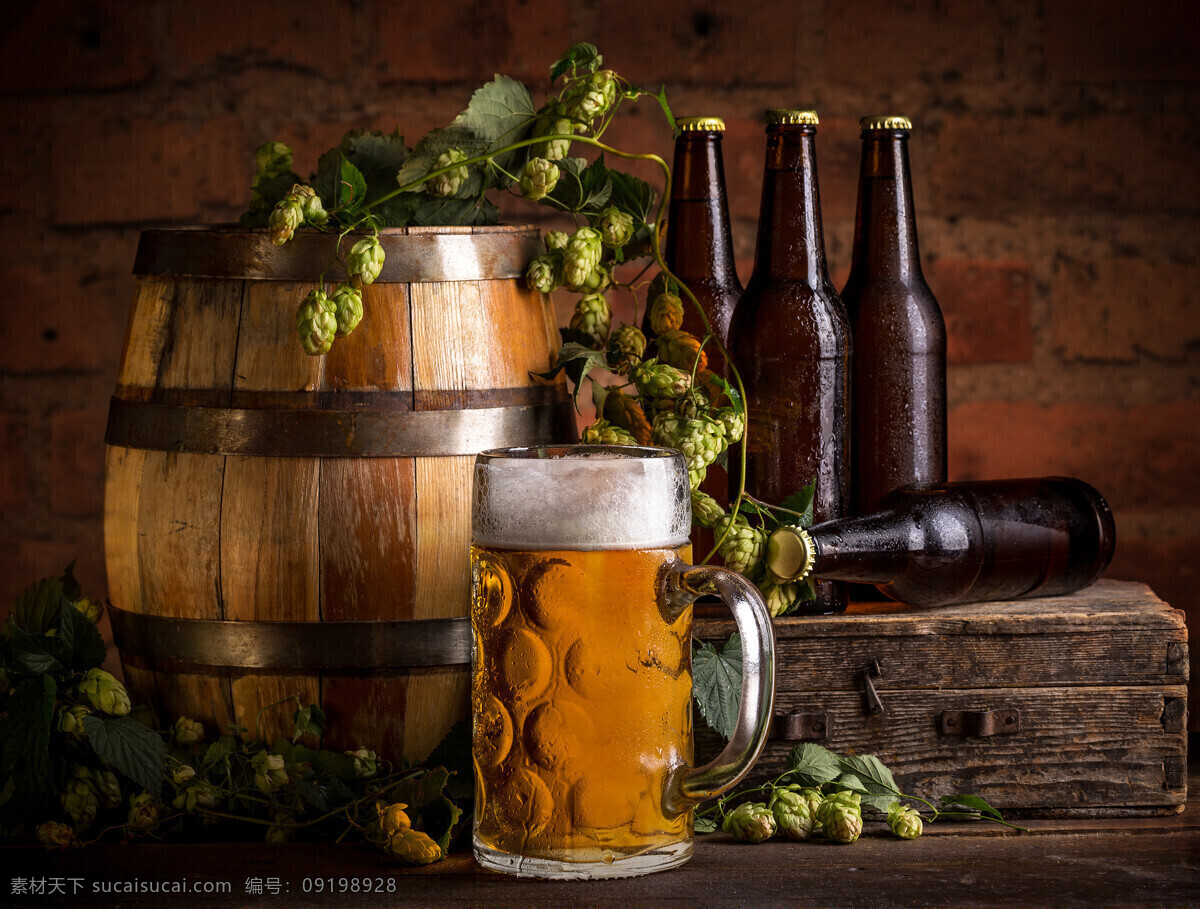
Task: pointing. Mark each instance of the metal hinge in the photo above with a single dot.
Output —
(1003, 721)
(874, 704)
(800, 727)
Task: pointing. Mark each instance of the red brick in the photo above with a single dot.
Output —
(75, 320)
(140, 170)
(1143, 457)
(66, 45)
(463, 41)
(992, 166)
(1117, 309)
(714, 44)
(986, 307)
(1113, 41)
(316, 35)
(76, 462)
(14, 476)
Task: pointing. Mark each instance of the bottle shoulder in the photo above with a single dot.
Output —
(790, 316)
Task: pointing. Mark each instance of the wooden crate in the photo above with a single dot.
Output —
(1064, 706)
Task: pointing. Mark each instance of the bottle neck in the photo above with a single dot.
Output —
(885, 230)
(790, 240)
(872, 549)
(699, 244)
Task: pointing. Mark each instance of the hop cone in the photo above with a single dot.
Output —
(625, 348)
(905, 822)
(581, 256)
(413, 847)
(624, 411)
(780, 597)
(366, 763)
(596, 282)
(273, 159)
(91, 609)
(109, 788)
(316, 323)
(591, 97)
(604, 433)
(814, 799)
(143, 812)
(550, 123)
(840, 816)
(593, 317)
(105, 692)
(700, 438)
(270, 771)
(666, 313)
(286, 216)
(70, 720)
(615, 226)
(658, 380)
(556, 240)
(706, 510)
(365, 259)
(541, 274)
(734, 423)
(393, 818)
(743, 546)
(347, 307)
(538, 178)
(310, 202)
(188, 731)
(750, 822)
(792, 814)
(449, 183)
(681, 350)
(55, 833)
(80, 802)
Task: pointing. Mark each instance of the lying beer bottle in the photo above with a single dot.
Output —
(942, 543)
(790, 340)
(898, 381)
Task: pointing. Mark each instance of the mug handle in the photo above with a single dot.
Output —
(690, 786)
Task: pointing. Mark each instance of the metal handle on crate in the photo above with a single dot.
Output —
(981, 723)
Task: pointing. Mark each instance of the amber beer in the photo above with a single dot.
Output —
(581, 664)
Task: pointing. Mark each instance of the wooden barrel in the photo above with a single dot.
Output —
(279, 524)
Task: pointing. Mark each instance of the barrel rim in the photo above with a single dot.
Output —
(414, 254)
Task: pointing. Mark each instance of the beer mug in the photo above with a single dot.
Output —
(581, 690)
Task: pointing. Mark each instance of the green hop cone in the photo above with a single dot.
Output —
(681, 350)
(792, 814)
(780, 598)
(286, 216)
(55, 833)
(905, 822)
(706, 510)
(604, 433)
(743, 546)
(581, 256)
(750, 822)
(272, 159)
(597, 281)
(201, 794)
(814, 799)
(538, 178)
(105, 692)
(623, 410)
(183, 773)
(556, 240)
(551, 123)
(80, 802)
(700, 438)
(666, 313)
(840, 816)
(366, 763)
(270, 771)
(187, 731)
(316, 323)
(91, 609)
(365, 259)
(109, 788)
(625, 348)
(70, 720)
(449, 183)
(658, 380)
(591, 96)
(347, 307)
(615, 226)
(592, 317)
(143, 812)
(542, 274)
(734, 422)
(314, 211)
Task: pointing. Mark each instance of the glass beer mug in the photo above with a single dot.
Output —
(581, 690)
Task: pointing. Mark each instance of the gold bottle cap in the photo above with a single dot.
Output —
(889, 122)
(790, 554)
(790, 117)
(700, 124)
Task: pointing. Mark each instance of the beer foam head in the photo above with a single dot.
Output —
(581, 497)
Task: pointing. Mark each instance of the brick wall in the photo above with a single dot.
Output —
(1055, 175)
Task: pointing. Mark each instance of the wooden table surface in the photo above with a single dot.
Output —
(1138, 861)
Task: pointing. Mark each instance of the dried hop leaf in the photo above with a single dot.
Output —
(623, 410)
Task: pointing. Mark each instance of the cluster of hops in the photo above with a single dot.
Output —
(300, 206)
(798, 813)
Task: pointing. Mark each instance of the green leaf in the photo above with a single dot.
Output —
(632, 195)
(425, 796)
(35, 653)
(582, 188)
(717, 683)
(25, 732)
(971, 803)
(706, 824)
(218, 753)
(581, 57)
(129, 747)
(661, 98)
(455, 212)
(323, 790)
(71, 589)
(867, 775)
(454, 753)
(340, 765)
(577, 360)
(37, 606)
(377, 156)
(265, 196)
(352, 187)
(812, 765)
(81, 647)
(308, 720)
(801, 502)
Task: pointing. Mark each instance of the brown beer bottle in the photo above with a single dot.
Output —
(699, 247)
(898, 411)
(790, 342)
(942, 543)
